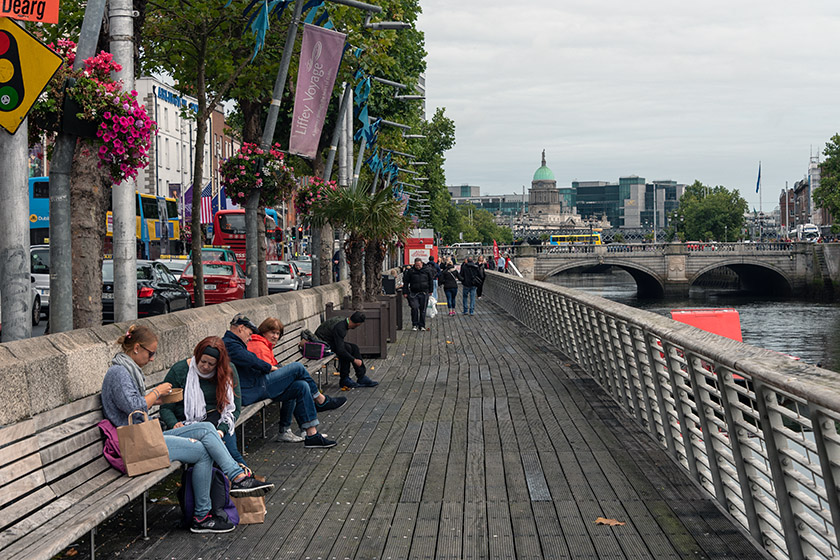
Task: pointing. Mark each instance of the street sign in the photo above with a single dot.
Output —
(26, 67)
(44, 11)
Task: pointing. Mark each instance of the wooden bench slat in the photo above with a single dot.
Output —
(22, 486)
(62, 413)
(18, 450)
(19, 469)
(77, 479)
(15, 432)
(67, 429)
(22, 508)
(82, 439)
(72, 462)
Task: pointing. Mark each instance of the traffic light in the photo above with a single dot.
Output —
(300, 232)
(11, 77)
(293, 233)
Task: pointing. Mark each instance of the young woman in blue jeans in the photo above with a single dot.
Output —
(199, 444)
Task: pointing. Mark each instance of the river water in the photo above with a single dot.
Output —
(809, 330)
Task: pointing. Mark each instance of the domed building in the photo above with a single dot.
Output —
(548, 205)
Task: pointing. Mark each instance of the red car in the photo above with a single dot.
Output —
(223, 281)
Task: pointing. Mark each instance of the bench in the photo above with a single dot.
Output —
(286, 351)
(55, 484)
(53, 462)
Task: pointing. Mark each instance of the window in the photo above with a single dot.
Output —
(41, 189)
(166, 152)
(232, 223)
(172, 209)
(40, 261)
(150, 208)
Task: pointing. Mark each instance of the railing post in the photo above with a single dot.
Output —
(664, 415)
(687, 435)
(821, 423)
(769, 425)
(736, 434)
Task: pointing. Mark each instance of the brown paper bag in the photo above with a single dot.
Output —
(251, 509)
(142, 445)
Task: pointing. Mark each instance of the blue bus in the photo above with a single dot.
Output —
(158, 223)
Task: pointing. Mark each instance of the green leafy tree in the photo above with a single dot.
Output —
(827, 195)
(707, 213)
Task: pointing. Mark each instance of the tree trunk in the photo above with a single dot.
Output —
(326, 255)
(198, 179)
(374, 256)
(262, 248)
(354, 248)
(88, 196)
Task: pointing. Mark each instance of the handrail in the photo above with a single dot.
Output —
(743, 422)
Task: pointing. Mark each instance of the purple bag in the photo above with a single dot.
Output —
(111, 449)
(313, 350)
(222, 506)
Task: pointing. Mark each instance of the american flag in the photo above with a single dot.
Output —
(207, 204)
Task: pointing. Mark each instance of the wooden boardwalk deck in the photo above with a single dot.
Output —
(480, 442)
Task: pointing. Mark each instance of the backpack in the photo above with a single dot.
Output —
(221, 504)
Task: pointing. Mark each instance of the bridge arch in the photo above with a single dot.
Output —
(754, 276)
(648, 282)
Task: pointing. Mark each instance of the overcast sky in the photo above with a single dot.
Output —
(655, 88)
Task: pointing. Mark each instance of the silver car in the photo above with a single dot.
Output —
(304, 266)
(39, 267)
(282, 277)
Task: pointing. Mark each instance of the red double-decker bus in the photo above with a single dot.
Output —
(229, 230)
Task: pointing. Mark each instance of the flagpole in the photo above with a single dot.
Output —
(760, 208)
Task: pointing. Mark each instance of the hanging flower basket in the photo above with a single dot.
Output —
(312, 197)
(253, 168)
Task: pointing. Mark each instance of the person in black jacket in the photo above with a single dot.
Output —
(449, 278)
(260, 380)
(332, 331)
(418, 283)
(471, 276)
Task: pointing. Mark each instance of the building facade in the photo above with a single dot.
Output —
(172, 158)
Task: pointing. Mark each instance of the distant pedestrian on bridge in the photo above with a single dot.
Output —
(484, 266)
(449, 278)
(472, 276)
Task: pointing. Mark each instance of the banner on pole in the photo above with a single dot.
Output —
(320, 55)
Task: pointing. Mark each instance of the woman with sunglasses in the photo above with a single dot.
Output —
(199, 444)
(211, 392)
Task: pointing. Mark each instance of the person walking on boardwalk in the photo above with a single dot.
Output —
(261, 380)
(418, 283)
(434, 270)
(472, 276)
(332, 331)
(483, 265)
(449, 278)
(199, 444)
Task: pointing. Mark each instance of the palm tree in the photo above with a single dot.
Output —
(369, 220)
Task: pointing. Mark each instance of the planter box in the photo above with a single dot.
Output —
(372, 335)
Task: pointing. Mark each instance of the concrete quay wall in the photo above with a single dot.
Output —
(39, 374)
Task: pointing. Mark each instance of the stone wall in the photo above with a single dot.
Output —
(43, 373)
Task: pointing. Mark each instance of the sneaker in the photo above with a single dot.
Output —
(366, 381)
(414, 328)
(289, 437)
(303, 435)
(318, 441)
(471, 313)
(211, 524)
(250, 486)
(330, 404)
(349, 383)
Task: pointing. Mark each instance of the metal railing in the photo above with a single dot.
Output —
(758, 430)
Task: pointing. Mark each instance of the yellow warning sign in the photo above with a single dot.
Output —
(26, 67)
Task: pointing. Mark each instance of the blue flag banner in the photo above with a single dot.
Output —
(758, 183)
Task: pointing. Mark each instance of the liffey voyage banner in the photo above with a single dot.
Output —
(320, 55)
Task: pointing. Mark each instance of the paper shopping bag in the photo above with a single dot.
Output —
(251, 509)
(142, 445)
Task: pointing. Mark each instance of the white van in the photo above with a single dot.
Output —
(40, 269)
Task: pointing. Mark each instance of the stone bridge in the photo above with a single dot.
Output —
(786, 269)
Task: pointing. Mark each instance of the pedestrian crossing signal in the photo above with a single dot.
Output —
(11, 76)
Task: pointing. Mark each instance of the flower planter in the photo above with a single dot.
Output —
(71, 124)
(394, 317)
(371, 336)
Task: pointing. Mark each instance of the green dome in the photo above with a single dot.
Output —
(544, 174)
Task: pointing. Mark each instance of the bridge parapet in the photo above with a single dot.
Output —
(759, 431)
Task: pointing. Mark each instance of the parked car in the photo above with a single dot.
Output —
(158, 291)
(175, 264)
(223, 281)
(305, 268)
(282, 277)
(216, 253)
(39, 267)
(36, 306)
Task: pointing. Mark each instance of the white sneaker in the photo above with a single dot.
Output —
(289, 437)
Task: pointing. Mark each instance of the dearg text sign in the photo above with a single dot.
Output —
(45, 11)
(320, 55)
